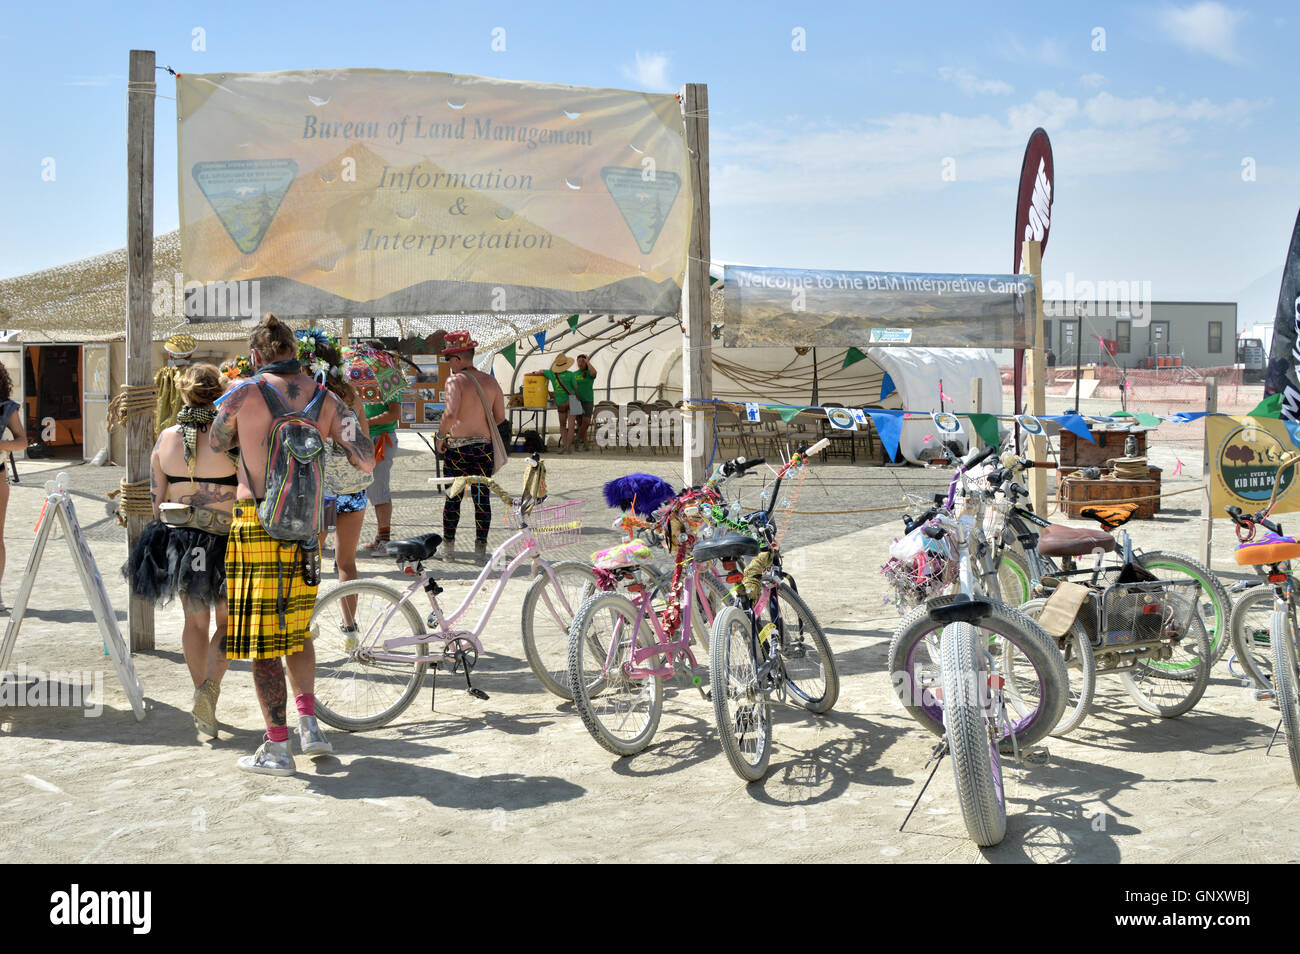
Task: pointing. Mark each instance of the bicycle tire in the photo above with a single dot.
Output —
(1080, 671)
(1148, 675)
(610, 702)
(1013, 578)
(343, 680)
(1212, 589)
(1250, 623)
(1286, 692)
(915, 663)
(546, 636)
(976, 766)
(814, 682)
(740, 705)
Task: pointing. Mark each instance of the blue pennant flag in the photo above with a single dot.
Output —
(889, 425)
(1074, 424)
(886, 386)
(1186, 417)
(540, 338)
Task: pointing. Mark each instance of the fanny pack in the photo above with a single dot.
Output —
(199, 518)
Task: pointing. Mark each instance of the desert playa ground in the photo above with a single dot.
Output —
(517, 778)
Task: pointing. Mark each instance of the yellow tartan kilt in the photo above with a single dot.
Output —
(263, 576)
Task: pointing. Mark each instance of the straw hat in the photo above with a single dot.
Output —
(180, 345)
(561, 363)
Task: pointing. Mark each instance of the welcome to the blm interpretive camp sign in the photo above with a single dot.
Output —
(376, 192)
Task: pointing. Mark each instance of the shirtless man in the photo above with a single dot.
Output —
(270, 601)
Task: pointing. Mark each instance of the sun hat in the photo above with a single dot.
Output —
(457, 341)
(180, 345)
(562, 362)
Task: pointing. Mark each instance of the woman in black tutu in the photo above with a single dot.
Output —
(182, 552)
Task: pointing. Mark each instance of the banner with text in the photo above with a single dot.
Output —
(1244, 455)
(767, 307)
(378, 192)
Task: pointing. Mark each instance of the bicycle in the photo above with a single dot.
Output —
(967, 697)
(751, 658)
(373, 649)
(623, 647)
(1275, 551)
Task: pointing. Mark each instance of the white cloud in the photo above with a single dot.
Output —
(91, 80)
(1046, 51)
(970, 84)
(1205, 27)
(650, 72)
(1092, 80)
(1107, 110)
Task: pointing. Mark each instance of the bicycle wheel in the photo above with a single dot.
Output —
(620, 711)
(1285, 677)
(811, 674)
(740, 705)
(1013, 578)
(1251, 620)
(354, 691)
(1080, 671)
(1169, 688)
(548, 610)
(1214, 607)
(976, 766)
(915, 665)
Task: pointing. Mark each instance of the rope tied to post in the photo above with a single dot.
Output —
(137, 499)
(132, 401)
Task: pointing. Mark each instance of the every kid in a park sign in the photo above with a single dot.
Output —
(377, 192)
(1244, 456)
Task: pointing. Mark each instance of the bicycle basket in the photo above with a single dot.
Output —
(1139, 612)
(559, 525)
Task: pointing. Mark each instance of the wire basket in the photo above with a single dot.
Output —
(1139, 612)
(926, 575)
(547, 528)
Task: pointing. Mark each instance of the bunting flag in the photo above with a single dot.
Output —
(573, 322)
(540, 338)
(1178, 466)
(787, 413)
(853, 356)
(886, 386)
(508, 352)
(986, 426)
(1271, 406)
(1076, 425)
(889, 425)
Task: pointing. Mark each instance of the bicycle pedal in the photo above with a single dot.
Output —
(477, 693)
(1265, 695)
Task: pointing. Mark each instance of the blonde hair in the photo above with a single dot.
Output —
(201, 384)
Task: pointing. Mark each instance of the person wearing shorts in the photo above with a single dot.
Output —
(382, 419)
(585, 387)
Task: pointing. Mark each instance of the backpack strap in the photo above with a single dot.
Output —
(277, 406)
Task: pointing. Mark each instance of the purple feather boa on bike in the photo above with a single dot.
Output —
(649, 492)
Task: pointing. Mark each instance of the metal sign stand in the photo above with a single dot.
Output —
(59, 505)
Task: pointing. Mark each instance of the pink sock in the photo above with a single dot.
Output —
(306, 704)
(277, 733)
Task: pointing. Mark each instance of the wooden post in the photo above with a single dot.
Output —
(345, 334)
(1207, 515)
(977, 407)
(1031, 260)
(697, 352)
(139, 300)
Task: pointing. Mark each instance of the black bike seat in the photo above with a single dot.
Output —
(416, 548)
(726, 547)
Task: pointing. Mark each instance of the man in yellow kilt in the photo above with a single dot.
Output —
(271, 580)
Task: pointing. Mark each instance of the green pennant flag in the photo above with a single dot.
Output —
(1148, 420)
(1271, 406)
(986, 426)
(1123, 414)
(787, 413)
(509, 353)
(852, 356)
(573, 322)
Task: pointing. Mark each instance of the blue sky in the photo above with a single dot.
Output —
(825, 157)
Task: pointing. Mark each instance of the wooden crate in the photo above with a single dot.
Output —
(1076, 494)
(1106, 445)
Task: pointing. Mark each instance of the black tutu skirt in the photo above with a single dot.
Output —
(167, 561)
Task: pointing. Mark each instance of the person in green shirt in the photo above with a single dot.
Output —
(564, 385)
(584, 382)
(382, 419)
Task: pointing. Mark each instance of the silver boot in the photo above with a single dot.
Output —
(271, 758)
(311, 739)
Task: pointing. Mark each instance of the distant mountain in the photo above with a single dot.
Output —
(1257, 302)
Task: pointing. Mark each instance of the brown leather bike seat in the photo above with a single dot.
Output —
(1059, 541)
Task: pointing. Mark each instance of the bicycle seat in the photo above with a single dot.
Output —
(416, 548)
(1059, 541)
(1270, 548)
(726, 547)
(1110, 516)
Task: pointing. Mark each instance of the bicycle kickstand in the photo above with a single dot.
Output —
(1274, 739)
(936, 757)
(469, 687)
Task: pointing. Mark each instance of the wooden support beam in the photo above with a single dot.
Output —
(697, 340)
(1031, 261)
(1207, 515)
(977, 407)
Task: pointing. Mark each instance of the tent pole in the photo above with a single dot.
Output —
(1032, 257)
(697, 357)
(1078, 351)
(139, 294)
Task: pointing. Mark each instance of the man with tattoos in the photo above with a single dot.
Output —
(270, 598)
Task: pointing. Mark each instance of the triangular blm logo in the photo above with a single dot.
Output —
(246, 194)
(645, 203)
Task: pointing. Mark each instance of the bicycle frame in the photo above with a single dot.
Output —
(670, 649)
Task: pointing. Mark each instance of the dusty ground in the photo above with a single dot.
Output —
(517, 778)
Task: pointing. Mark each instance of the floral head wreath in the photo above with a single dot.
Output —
(239, 367)
(311, 360)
